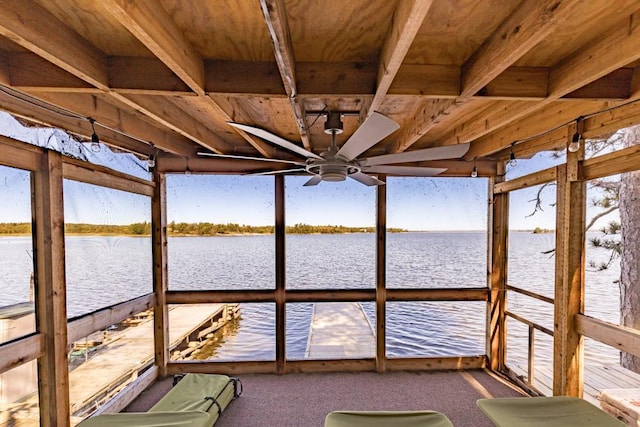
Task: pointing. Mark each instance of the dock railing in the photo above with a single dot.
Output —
(532, 326)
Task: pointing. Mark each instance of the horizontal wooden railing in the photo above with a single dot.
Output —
(20, 351)
(326, 295)
(617, 336)
(87, 324)
(530, 294)
(350, 365)
(532, 326)
(541, 177)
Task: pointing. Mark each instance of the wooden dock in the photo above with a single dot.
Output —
(119, 361)
(596, 379)
(340, 330)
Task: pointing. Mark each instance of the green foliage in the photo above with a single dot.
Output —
(15, 228)
(191, 229)
(539, 230)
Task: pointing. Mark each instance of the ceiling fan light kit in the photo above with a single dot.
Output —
(338, 164)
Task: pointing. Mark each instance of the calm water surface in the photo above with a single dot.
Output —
(106, 270)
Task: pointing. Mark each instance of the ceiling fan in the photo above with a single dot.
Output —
(337, 164)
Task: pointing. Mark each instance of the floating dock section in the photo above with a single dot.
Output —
(340, 330)
(119, 361)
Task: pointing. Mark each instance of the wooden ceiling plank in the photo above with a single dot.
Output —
(5, 75)
(153, 26)
(520, 32)
(145, 76)
(519, 83)
(243, 78)
(527, 26)
(433, 81)
(34, 28)
(407, 20)
(275, 16)
(618, 48)
(615, 85)
(28, 71)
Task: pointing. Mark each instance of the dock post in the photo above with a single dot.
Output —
(568, 344)
(159, 249)
(381, 274)
(497, 273)
(281, 321)
(50, 285)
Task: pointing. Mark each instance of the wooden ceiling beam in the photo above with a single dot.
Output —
(616, 49)
(598, 126)
(150, 76)
(69, 51)
(77, 126)
(275, 16)
(105, 112)
(553, 115)
(24, 23)
(621, 46)
(527, 26)
(165, 112)
(407, 20)
(153, 26)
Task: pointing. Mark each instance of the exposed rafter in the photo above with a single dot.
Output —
(529, 24)
(407, 20)
(620, 46)
(151, 24)
(275, 16)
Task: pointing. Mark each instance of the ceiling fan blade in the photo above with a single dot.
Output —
(435, 153)
(261, 159)
(374, 129)
(315, 180)
(405, 170)
(275, 139)
(276, 172)
(365, 179)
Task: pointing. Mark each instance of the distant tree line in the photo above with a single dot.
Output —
(191, 229)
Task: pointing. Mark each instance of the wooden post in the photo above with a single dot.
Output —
(381, 274)
(497, 273)
(159, 248)
(51, 311)
(281, 321)
(569, 278)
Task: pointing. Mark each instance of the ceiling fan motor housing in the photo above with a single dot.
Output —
(333, 123)
(333, 173)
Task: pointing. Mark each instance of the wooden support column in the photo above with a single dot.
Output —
(160, 275)
(281, 318)
(381, 275)
(497, 272)
(51, 311)
(569, 278)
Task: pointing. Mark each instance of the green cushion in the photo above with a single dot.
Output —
(386, 419)
(145, 419)
(557, 411)
(192, 391)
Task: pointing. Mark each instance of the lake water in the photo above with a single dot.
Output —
(106, 270)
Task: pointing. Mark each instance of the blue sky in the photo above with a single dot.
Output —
(412, 203)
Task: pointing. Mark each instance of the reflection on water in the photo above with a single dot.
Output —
(107, 270)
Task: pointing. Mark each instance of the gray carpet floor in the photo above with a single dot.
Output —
(303, 400)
